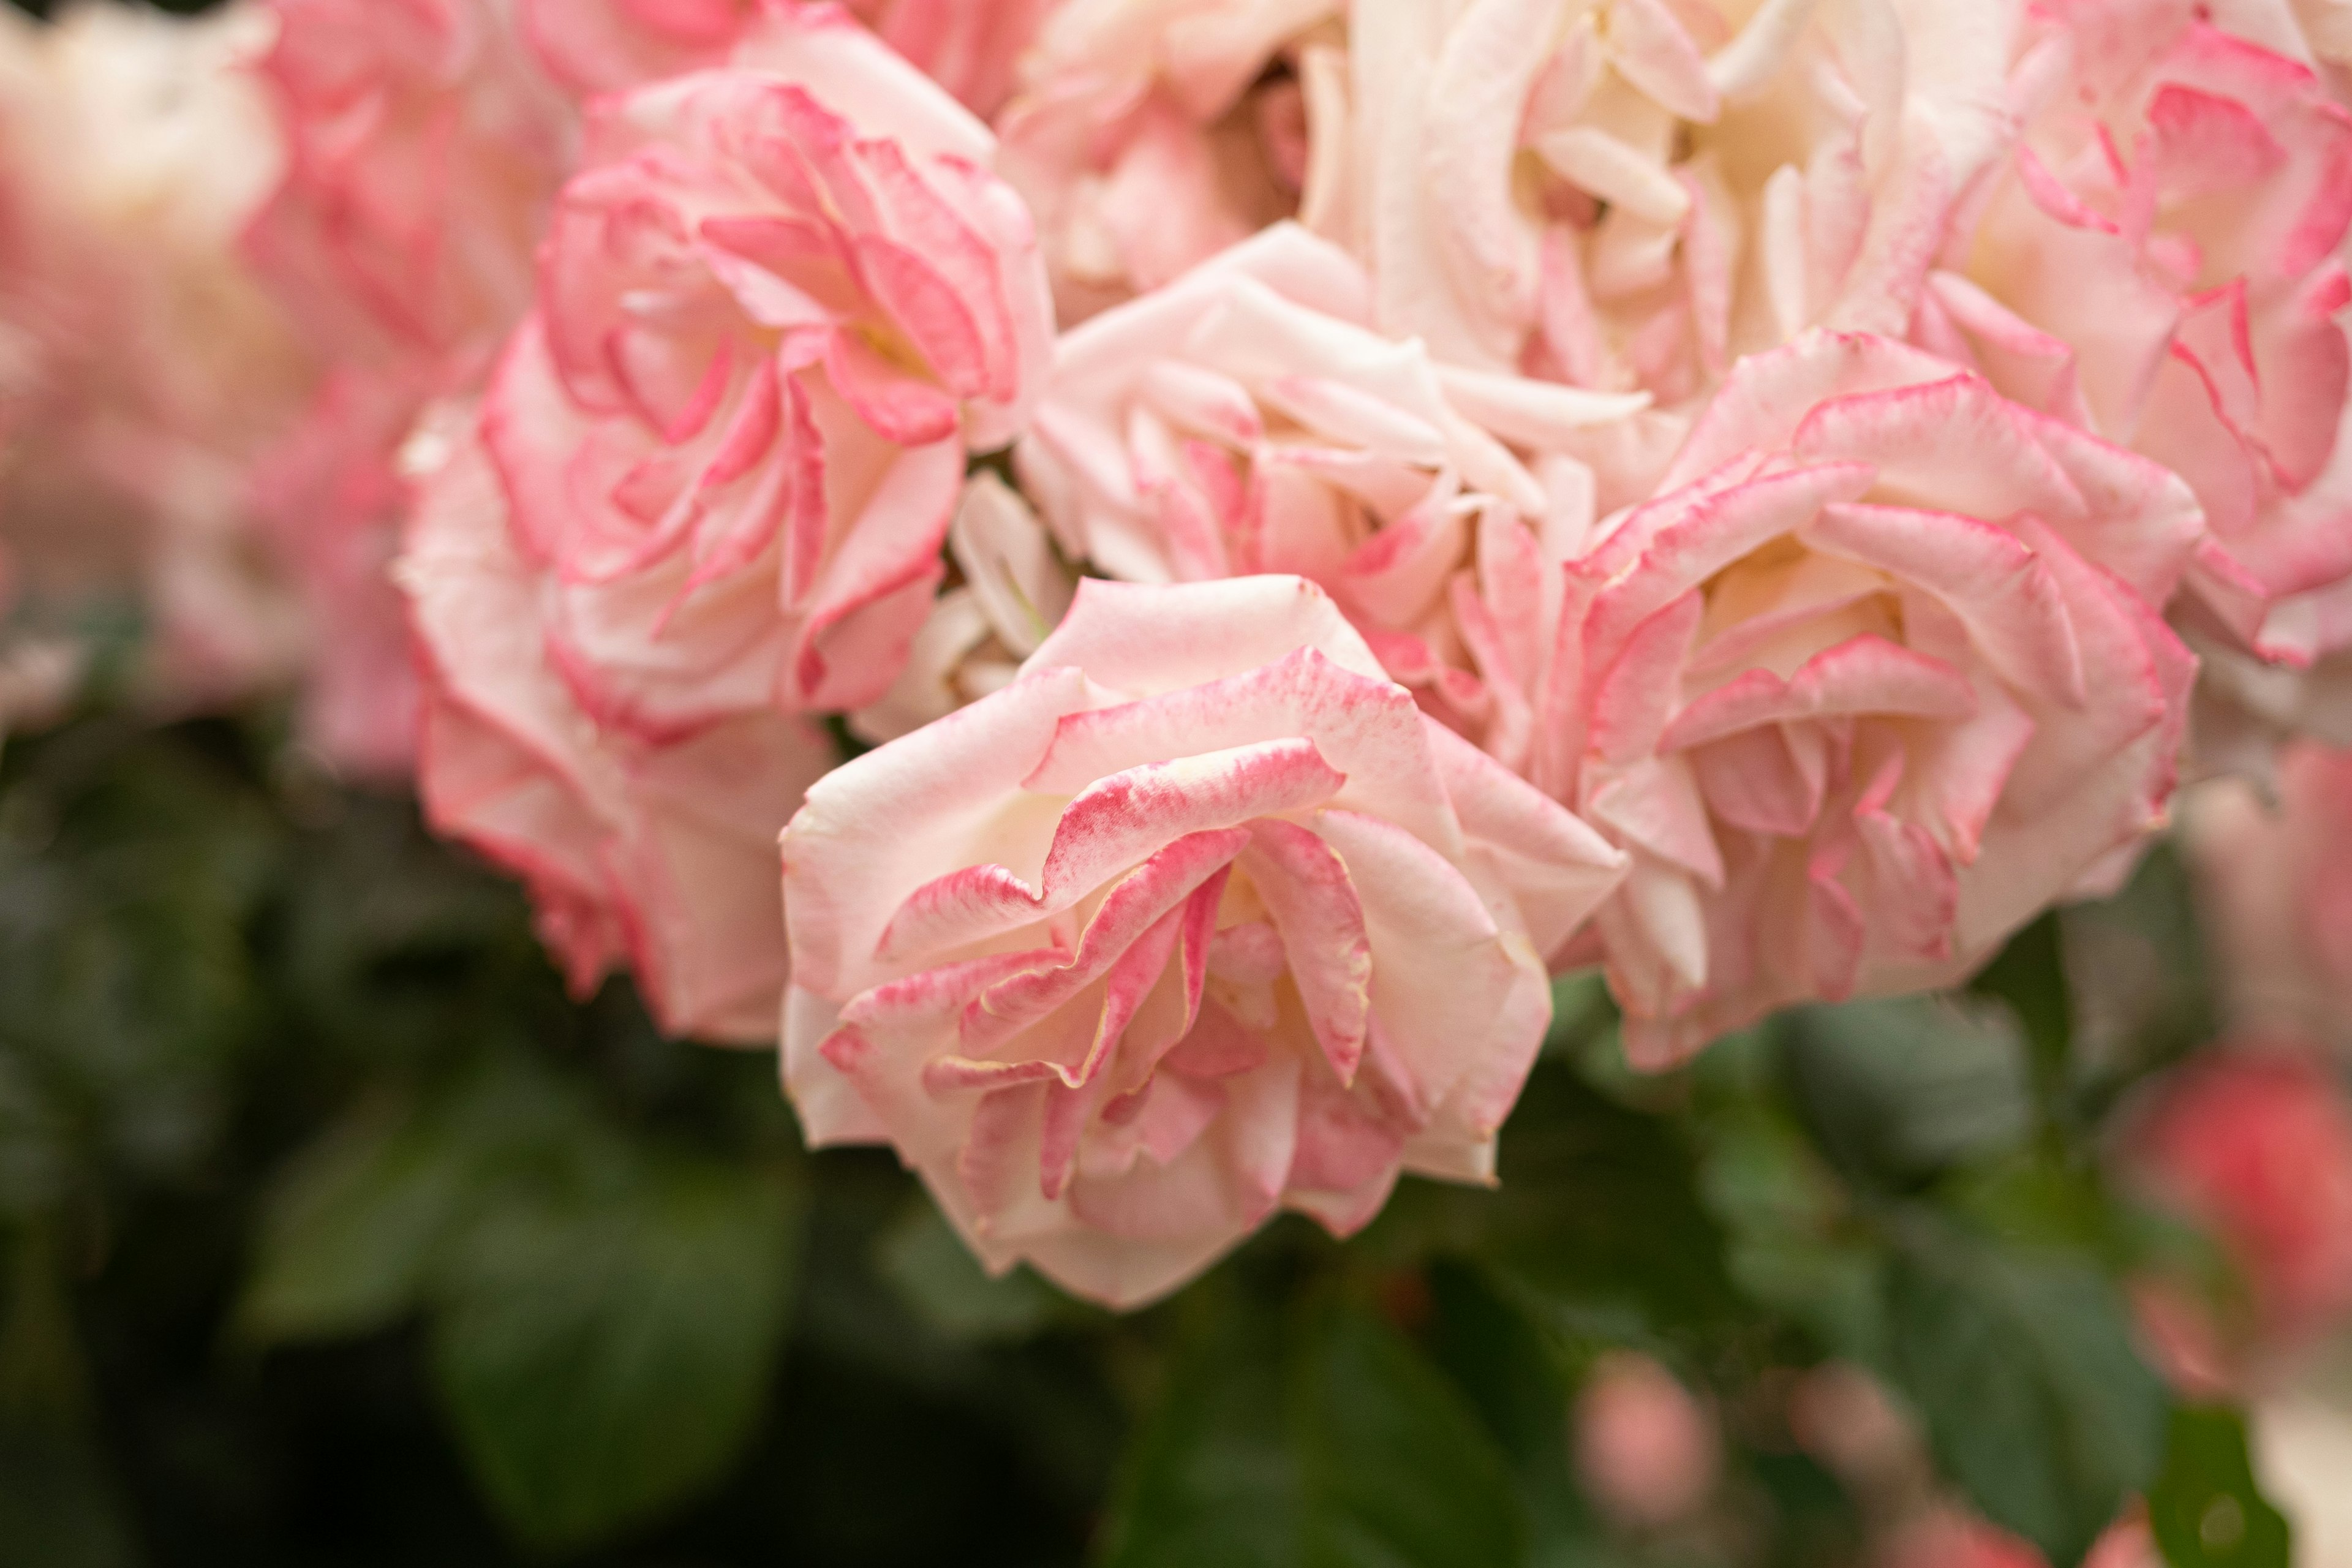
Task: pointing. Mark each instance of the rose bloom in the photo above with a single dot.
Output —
(2275, 883)
(777, 306)
(1246, 418)
(2253, 1143)
(656, 854)
(1877, 678)
(967, 46)
(1151, 134)
(1947, 1537)
(1646, 1451)
(425, 147)
(1199, 919)
(2161, 262)
(143, 368)
(1632, 192)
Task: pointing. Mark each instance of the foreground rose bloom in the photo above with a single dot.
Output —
(425, 148)
(659, 855)
(1246, 420)
(2253, 1143)
(2276, 880)
(1878, 679)
(2163, 265)
(1199, 919)
(1630, 192)
(769, 331)
(1151, 134)
(967, 46)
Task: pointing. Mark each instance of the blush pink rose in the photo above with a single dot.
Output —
(1199, 919)
(777, 306)
(1246, 418)
(660, 856)
(1151, 134)
(1624, 193)
(2161, 262)
(1877, 678)
(2253, 1143)
(969, 47)
(425, 146)
(1646, 1450)
(2275, 881)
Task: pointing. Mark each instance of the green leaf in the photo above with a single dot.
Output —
(348, 1246)
(2022, 1364)
(1895, 1092)
(1328, 1442)
(2207, 1508)
(935, 1274)
(604, 1354)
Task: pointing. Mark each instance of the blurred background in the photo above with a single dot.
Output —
(332, 1231)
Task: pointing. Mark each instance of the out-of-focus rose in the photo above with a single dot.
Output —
(425, 149)
(2161, 263)
(1199, 919)
(1948, 1538)
(2275, 881)
(969, 47)
(1247, 419)
(1151, 134)
(2255, 1144)
(142, 366)
(1013, 593)
(1878, 677)
(659, 855)
(331, 500)
(1646, 1450)
(776, 308)
(1630, 192)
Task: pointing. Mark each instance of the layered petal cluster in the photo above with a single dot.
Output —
(423, 145)
(141, 367)
(659, 855)
(2275, 879)
(1248, 419)
(1879, 676)
(2161, 262)
(1199, 919)
(2254, 1144)
(1624, 193)
(969, 47)
(779, 303)
(1149, 134)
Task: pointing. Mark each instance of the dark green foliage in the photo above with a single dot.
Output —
(332, 1230)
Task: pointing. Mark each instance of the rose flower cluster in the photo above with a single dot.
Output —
(1231, 540)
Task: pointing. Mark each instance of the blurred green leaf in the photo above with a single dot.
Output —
(604, 1352)
(1895, 1092)
(1327, 1441)
(938, 1278)
(60, 1507)
(2206, 1508)
(2021, 1364)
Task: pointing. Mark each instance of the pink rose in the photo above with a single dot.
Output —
(1246, 418)
(769, 331)
(1646, 1451)
(1879, 676)
(1199, 919)
(2255, 1144)
(331, 501)
(142, 366)
(425, 147)
(967, 46)
(1151, 134)
(2161, 263)
(1632, 192)
(658, 854)
(2276, 885)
